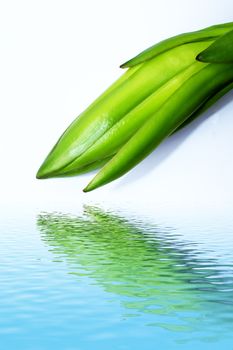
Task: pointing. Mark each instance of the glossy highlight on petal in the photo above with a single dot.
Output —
(164, 89)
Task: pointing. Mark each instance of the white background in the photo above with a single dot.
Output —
(57, 56)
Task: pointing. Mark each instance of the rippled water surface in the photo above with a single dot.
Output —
(103, 280)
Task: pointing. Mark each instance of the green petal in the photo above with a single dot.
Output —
(200, 35)
(221, 51)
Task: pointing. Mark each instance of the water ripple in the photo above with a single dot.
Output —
(104, 280)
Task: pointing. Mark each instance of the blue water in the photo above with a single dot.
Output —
(106, 280)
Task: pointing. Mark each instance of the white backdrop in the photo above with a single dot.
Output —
(57, 56)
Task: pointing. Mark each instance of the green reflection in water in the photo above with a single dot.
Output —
(150, 269)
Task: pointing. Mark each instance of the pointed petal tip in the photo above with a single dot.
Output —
(131, 63)
(38, 176)
(124, 65)
(87, 189)
(41, 175)
(44, 172)
(49, 169)
(90, 187)
(199, 58)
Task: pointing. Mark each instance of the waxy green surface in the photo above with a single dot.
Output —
(209, 33)
(164, 89)
(221, 51)
(198, 88)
